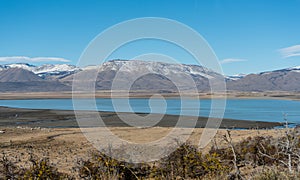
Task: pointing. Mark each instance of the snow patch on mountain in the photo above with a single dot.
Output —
(58, 71)
(57, 68)
(156, 68)
(25, 66)
(294, 69)
(291, 69)
(235, 77)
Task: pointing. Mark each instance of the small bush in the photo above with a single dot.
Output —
(102, 166)
(273, 173)
(188, 162)
(42, 170)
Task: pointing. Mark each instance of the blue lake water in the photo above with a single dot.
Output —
(243, 109)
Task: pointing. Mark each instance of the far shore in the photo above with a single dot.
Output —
(146, 94)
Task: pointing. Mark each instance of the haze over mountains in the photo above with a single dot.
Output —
(144, 75)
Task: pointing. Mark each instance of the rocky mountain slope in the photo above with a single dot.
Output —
(140, 75)
(52, 71)
(145, 75)
(22, 80)
(279, 80)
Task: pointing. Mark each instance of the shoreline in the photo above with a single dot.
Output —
(141, 94)
(47, 118)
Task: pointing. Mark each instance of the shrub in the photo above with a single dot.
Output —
(42, 170)
(188, 162)
(102, 166)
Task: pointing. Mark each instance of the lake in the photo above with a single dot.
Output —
(244, 109)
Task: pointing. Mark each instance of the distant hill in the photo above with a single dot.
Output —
(18, 75)
(21, 80)
(157, 76)
(278, 80)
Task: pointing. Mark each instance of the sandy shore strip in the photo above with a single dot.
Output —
(144, 94)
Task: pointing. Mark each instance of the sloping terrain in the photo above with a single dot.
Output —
(21, 80)
(279, 80)
(145, 75)
(139, 75)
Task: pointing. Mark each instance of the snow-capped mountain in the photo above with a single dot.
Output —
(157, 67)
(146, 75)
(17, 65)
(156, 76)
(56, 71)
(287, 79)
(25, 66)
(55, 68)
(22, 80)
(45, 71)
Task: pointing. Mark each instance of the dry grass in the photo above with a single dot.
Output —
(66, 152)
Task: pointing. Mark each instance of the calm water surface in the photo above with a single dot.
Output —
(243, 109)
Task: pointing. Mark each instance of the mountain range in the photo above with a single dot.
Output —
(144, 75)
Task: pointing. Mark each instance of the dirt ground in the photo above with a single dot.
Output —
(66, 146)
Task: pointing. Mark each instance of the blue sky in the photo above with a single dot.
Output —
(247, 36)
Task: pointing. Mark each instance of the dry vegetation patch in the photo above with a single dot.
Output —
(66, 154)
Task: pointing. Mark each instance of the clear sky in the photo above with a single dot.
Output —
(246, 35)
